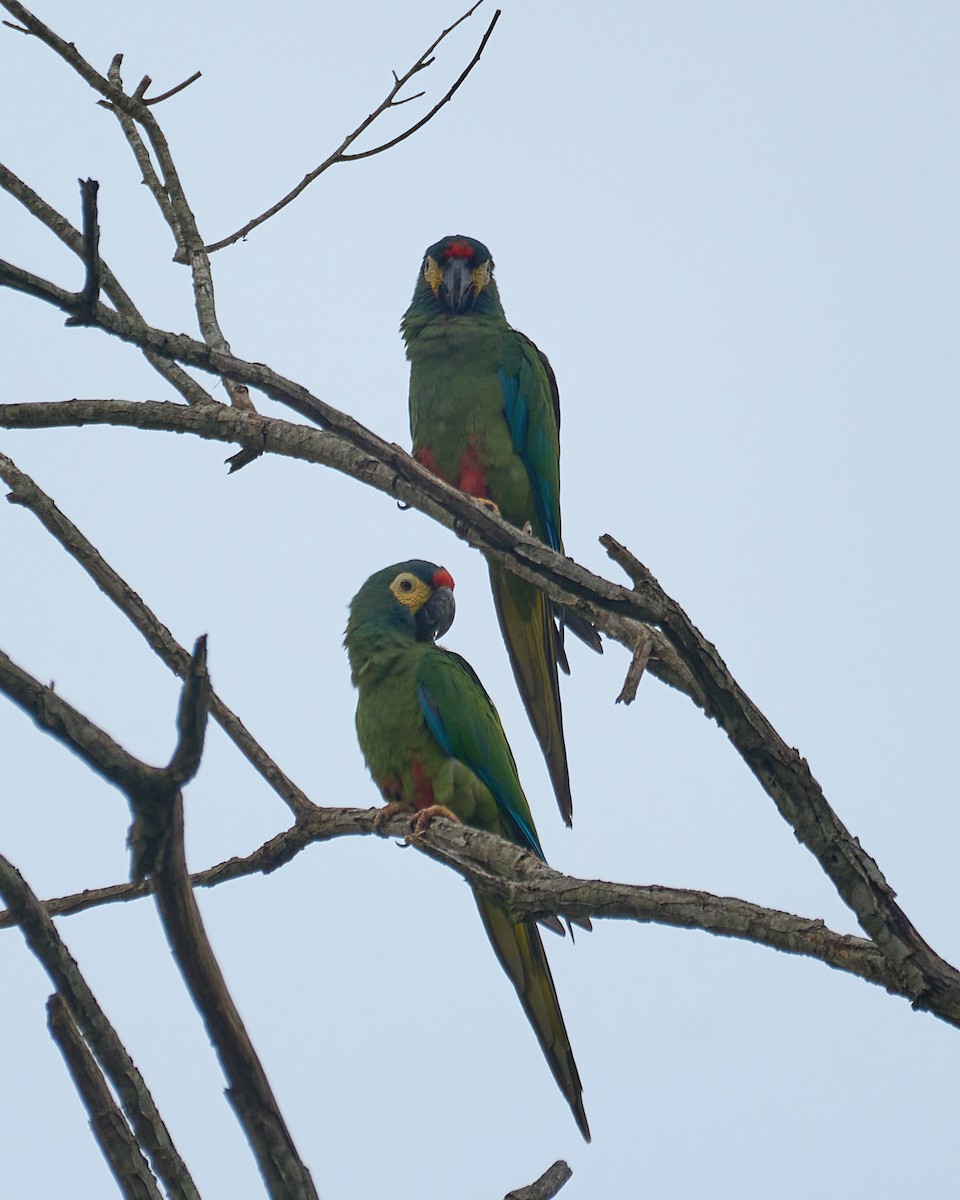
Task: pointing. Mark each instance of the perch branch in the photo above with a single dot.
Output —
(530, 887)
(781, 771)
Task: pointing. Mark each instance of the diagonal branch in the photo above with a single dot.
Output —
(24, 492)
(362, 455)
(157, 842)
(780, 770)
(120, 1148)
(71, 237)
(389, 101)
(546, 1187)
(41, 936)
(783, 774)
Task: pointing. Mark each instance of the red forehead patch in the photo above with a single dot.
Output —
(443, 578)
(458, 250)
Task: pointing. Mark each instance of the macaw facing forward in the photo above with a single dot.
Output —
(485, 417)
(432, 741)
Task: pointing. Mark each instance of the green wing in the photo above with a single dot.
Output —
(531, 407)
(461, 716)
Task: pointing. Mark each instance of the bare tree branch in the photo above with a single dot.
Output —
(171, 91)
(185, 384)
(157, 842)
(364, 456)
(91, 247)
(389, 101)
(113, 1135)
(780, 770)
(546, 1187)
(25, 492)
(42, 938)
(529, 887)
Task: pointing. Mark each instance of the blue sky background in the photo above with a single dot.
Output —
(733, 228)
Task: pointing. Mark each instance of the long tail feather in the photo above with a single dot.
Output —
(526, 622)
(521, 954)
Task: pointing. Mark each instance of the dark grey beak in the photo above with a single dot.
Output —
(436, 616)
(456, 288)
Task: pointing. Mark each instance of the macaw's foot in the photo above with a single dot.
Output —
(388, 810)
(488, 504)
(426, 815)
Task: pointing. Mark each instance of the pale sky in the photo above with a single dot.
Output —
(733, 229)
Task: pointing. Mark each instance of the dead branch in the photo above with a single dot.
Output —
(41, 936)
(170, 92)
(90, 292)
(529, 887)
(156, 839)
(780, 770)
(389, 101)
(71, 237)
(118, 1145)
(362, 455)
(25, 492)
(546, 1187)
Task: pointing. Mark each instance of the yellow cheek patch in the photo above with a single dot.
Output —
(432, 274)
(412, 592)
(481, 277)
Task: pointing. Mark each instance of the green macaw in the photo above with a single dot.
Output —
(433, 742)
(485, 417)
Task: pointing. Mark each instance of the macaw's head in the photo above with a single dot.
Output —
(410, 601)
(458, 273)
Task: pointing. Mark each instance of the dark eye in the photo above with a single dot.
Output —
(406, 585)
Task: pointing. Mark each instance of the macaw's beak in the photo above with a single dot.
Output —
(436, 616)
(458, 288)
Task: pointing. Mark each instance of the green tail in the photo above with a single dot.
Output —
(526, 622)
(521, 954)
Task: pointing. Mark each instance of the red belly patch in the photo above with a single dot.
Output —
(473, 477)
(422, 785)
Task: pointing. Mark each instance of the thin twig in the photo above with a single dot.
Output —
(148, 172)
(436, 108)
(638, 664)
(173, 91)
(389, 101)
(170, 195)
(71, 237)
(118, 1145)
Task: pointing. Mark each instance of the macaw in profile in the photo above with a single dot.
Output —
(485, 417)
(433, 742)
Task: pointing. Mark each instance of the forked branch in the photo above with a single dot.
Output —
(389, 101)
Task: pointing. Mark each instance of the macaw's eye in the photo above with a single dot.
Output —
(410, 591)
